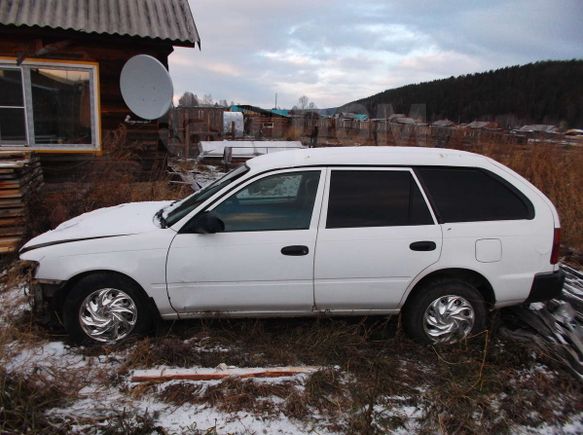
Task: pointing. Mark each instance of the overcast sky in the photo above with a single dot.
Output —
(336, 51)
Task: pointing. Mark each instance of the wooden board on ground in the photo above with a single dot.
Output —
(205, 374)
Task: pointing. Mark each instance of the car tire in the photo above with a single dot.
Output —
(445, 311)
(104, 308)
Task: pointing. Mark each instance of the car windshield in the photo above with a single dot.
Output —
(173, 213)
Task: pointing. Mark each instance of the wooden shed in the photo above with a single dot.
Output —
(262, 123)
(190, 125)
(60, 64)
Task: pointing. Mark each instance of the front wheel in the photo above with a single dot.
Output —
(105, 308)
(445, 312)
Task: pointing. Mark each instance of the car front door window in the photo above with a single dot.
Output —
(274, 203)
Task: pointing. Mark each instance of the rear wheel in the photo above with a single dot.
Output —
(105, 308)
(445, 312)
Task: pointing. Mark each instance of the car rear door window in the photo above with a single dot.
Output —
(472, 195)
(364, 198)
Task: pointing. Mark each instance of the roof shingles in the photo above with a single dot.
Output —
(169, 20)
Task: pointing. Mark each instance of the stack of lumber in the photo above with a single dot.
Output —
(20, 178)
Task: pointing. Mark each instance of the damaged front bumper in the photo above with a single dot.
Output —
(46, 298)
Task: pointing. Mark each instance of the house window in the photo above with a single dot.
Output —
(49, 106)
(12, 117)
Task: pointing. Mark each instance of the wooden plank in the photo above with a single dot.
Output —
(12, 212)
(11, 202)
(7, 249)
(216, 374)
(12, 231)
(11, 193)
(9, 241)
(12, 184)
(12, 221)
(12, 176)
(16, 181)
(5, 154)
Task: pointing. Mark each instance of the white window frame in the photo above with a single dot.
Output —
(30, 144)
(23, 107)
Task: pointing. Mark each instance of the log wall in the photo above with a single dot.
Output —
(110, 53)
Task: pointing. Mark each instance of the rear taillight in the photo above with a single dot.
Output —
(556, 245)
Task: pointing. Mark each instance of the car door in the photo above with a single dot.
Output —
(376, 234)
(263, 261)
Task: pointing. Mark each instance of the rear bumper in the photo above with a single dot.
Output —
(546, 286)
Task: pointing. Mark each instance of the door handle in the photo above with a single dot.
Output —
(295, 250)
(424, 245)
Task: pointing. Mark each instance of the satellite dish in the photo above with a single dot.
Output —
(146, 87)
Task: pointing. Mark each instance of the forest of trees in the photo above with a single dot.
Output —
(549, 92)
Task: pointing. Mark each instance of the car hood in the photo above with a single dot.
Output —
(123, 219)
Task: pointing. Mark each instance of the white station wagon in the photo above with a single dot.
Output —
(441, 236)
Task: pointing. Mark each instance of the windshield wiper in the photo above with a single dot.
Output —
(161, 219)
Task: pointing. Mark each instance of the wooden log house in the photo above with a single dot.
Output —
(262, 123)
(60, 64)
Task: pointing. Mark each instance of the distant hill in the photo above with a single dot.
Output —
(328, 112)
(549, 92)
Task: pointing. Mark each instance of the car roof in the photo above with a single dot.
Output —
(365, 156)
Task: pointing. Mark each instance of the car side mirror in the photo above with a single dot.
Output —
(205, 223)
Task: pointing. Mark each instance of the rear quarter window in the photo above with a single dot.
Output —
(473, 194)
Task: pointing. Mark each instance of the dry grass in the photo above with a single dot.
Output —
(24, 400)
(115, 178)
(231, 395)
(211, 342)
(181, 393)
(21, 327)
(483, 385)
(505, 389)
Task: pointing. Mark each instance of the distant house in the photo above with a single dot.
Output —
(480, 125)
(442, 123)
(575, 132)
(264, 123)
(352, 116)
(60, 64)
(190, 125)
(538, 128)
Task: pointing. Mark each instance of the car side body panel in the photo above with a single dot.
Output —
(141, 257)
